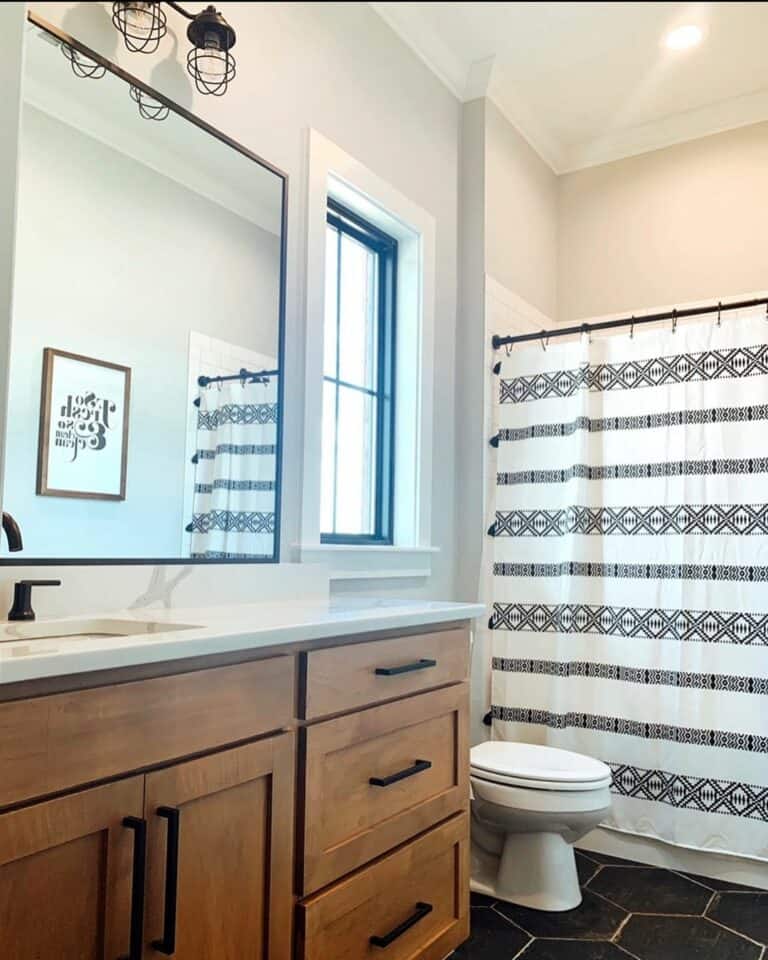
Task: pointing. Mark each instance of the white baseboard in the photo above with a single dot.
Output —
(753, 873)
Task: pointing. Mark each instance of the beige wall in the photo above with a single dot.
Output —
(521, 215)
(686, 223)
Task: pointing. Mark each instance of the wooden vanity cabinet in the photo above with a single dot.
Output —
(310, 805)
(66, 870)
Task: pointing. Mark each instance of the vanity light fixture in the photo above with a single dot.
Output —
(209, 62)
(143, 25)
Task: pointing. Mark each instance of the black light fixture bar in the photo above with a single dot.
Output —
(674, 315)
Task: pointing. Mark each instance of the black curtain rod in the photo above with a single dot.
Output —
(673, 315)
(247, 376)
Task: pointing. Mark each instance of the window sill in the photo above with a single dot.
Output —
(348, 561)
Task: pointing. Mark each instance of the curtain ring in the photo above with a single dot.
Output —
(543, 345)
(632, 328)
(719, 310)
(674, 321)
(508, 348)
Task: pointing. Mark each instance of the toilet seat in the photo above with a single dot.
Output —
(536, 767)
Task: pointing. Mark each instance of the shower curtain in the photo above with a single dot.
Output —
(629, 570)
(234, 501)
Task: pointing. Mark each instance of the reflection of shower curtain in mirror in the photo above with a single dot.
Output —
(234, 502)
(630, 571)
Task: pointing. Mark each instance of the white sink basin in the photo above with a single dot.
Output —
(85, 629)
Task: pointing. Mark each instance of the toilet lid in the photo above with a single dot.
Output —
(545, 768)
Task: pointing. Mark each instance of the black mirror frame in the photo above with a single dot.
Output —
(63, 37)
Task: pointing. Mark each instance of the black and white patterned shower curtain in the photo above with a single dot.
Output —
(629, 573)
(234, 501)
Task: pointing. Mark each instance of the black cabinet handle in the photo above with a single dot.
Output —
(422, 909)
(168, 944)
(419, 766)
(139, 828)
(423, 664)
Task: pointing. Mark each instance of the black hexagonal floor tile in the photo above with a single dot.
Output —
(573, 950)
(714, 884)
(607, 858)
(491, 938)
(692, 938)
(480, 900)
(746, 913)
(585, 868)
(595, 919)
(651, 890)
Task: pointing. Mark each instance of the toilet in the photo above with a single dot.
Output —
(530, 804)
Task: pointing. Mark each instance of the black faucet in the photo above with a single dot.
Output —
(22, 598)
(13, 533)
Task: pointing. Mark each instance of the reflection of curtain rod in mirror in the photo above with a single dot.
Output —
(247, 376)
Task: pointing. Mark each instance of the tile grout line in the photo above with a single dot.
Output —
(736, 933)
(619, 929)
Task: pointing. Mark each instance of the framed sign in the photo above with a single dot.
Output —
(83, 443)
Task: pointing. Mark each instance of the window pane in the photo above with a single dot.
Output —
(327, 468)
(356, 477)
(357, 322)
(331, 300)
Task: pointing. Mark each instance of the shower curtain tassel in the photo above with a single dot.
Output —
(492, 530)
(497, 367)
(490, 622)
(494, 442)
(190, 528)
(196, 401)
(488, 718)
(196, 458)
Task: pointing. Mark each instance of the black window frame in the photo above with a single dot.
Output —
(346, 221)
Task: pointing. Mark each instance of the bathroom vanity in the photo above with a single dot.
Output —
(275, 797)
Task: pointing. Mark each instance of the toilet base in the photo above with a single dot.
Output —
(536, 870)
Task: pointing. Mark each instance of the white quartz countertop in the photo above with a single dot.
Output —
(214, 630)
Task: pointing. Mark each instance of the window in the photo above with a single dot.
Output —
(357, 471)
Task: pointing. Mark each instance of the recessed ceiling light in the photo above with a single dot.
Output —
(683, 38)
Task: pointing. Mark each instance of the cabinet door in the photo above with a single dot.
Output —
(66, 870)
(220, 847)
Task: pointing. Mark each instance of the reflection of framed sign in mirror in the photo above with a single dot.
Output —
(83, 427)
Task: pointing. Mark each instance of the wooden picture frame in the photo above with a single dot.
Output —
(84, 414)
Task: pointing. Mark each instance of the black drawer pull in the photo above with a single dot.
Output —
(422, 664)
(168, 944)
(419, 766)
(139, 828)
(422, 909)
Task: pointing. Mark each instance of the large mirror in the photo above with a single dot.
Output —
(146, 342)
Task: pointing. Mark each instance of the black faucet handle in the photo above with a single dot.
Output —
(22, 598)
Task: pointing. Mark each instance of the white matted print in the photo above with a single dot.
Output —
(83, 427)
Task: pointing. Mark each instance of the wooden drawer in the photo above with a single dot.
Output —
(349, 820)
(354, 676)
(430, 872)
(49, 744)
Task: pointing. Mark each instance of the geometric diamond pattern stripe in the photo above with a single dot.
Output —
(643, 675)
(702, 794)
(237, 413)
(736, 362)
(697, 626)
(640, 421)
(636, 571)
(648, 730)
(233, 521)
(637, 471)
(738, 519)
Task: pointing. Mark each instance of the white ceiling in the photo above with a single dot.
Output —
(586, 83)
